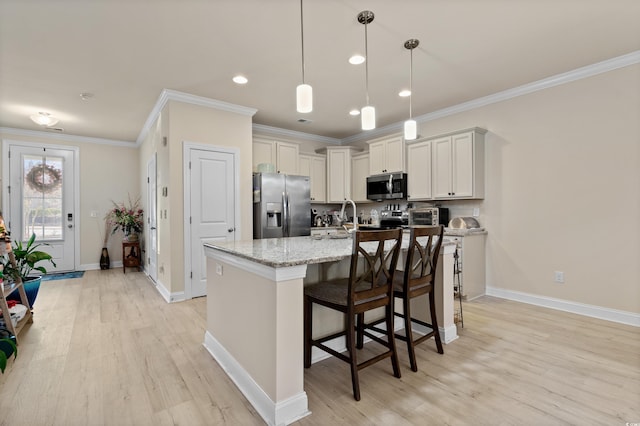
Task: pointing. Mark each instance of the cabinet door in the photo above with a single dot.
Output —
(394, 155)
(419, 171)
(318, 178)
(376, 158)
(359, 173)
(462, 165)
(263, 152)
(442, 167)
(338, 175)
(304, 165)
(287, 158)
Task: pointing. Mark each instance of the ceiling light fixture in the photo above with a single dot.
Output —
(354, 112)
(44, 119)
(356, 59)
(304, 92)
(239, 79)
(368, 112)
(410, 126)
(404, 93)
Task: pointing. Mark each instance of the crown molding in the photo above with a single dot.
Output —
(65, 137)
(173, 95)
(546, 83)
(264, 130)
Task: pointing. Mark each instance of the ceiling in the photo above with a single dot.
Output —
(125, 52)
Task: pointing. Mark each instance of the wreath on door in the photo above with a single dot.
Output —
(44, 178)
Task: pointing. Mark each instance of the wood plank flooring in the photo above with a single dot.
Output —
(106, 349)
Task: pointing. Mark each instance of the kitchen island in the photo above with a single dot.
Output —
(255, 313)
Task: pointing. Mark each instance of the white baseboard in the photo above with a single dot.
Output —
(282, 413)
(166, 294)
(623, 317)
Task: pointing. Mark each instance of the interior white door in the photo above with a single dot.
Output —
(152, 222)
(42, 200)
(212, 206)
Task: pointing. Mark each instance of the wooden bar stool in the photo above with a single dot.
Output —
(369, 286)
(417, 280)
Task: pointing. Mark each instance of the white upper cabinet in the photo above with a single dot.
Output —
(338, 173)
(359, 173)
(419, 171)
(315, 166)
(458, 165)
(283, 155)
(386, 155)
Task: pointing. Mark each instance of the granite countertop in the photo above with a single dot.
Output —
(450, 232)
(283, 252)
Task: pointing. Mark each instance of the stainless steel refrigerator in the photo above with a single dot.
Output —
(281, 205)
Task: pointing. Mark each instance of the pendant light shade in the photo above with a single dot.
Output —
(410, 126)
(410, 130)
(368, 115)
(304, 98)
(304, 93)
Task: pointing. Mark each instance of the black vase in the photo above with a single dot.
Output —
(105, 263)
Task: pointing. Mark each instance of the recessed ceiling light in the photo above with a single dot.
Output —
(356, 59)
(405, 93)
(354, 112)
(85, 96)
(239, 79)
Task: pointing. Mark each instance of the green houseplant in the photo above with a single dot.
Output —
(7, 348)
(27, 256)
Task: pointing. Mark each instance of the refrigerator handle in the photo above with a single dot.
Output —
(285, 214)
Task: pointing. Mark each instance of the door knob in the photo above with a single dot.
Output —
(230, 229)
(69, 226)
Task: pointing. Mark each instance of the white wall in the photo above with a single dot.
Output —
(563, 189)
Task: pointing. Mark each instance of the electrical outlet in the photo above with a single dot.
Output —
(93, 213)
(559, 276)
(218, 269)
(476, 212)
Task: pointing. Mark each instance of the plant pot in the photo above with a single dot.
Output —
(31, 287)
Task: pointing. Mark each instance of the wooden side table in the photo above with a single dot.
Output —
(130, 255)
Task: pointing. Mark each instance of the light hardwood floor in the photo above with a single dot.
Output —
(107, 350)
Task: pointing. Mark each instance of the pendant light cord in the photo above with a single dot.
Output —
(366, 65)
(410, 85)
(302, 38)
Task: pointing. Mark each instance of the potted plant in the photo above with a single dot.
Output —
(128, 218)
(27, 256)
(7, 348)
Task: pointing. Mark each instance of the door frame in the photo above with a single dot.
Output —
(77, 222)
(152, 197)
(187, 147)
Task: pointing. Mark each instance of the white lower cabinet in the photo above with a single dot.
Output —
(471, 249)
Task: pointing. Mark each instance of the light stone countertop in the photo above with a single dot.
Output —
(292, 251)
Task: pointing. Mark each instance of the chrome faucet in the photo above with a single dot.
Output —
(355, 215)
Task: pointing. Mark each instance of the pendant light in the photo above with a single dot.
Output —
(44, 119)
(304, 92)
(410, 126)
(368, 112)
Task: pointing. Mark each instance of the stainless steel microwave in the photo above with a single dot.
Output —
(390, 186)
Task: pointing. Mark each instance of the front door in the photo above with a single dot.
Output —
(41, 200)
(211, 195)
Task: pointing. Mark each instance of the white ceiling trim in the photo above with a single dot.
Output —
(64, 137)
(173, 95)
(556, 80)
(276, 131)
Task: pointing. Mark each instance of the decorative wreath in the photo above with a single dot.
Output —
(44, 178)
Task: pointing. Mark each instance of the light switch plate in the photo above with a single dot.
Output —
(476, 212)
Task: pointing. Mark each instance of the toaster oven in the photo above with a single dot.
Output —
(428, 216)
